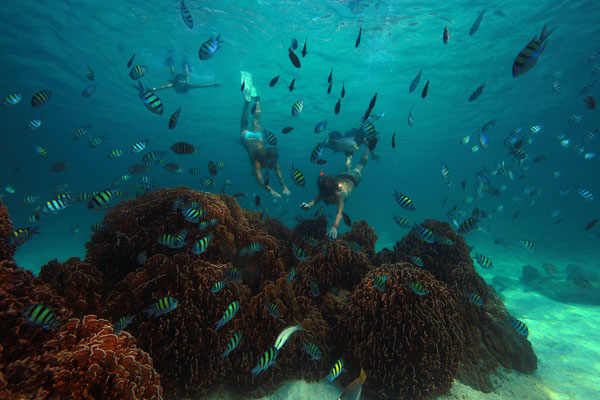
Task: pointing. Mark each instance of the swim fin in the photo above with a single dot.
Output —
(249, 90)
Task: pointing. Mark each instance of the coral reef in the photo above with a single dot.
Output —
(6, 250)
(184, 345)
(19, 289)
(79, 283)
(410, 344)
(85, 360)
(490, 340)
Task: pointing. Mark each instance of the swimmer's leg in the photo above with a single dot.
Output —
(363, 161)
(244, 121)
(256, 119)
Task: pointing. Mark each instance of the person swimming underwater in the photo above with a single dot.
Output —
(353, 139)
(181, 81)
(260, 156)
(336, 190)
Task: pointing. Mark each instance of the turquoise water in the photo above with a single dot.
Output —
(47, 45)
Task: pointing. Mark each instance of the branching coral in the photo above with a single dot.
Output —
(85, 360)
(363, 235)
(409, 344)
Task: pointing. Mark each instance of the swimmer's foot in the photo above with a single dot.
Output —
(246, 78)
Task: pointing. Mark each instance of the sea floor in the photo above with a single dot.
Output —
(565, 337)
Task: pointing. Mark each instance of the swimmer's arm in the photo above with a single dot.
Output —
(340, 211)
(204, 85)
(280, 177)
(162, 87)
(315, 201)
(259, 177)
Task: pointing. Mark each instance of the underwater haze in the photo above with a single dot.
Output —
(533, 197)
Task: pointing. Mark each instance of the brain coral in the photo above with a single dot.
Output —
(409, 345)
(85, 360)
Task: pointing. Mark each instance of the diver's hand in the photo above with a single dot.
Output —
(305, 206)
(274, 194)
(286, 191)
(332, 232)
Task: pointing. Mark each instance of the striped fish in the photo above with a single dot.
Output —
(425, 233)
(81, 131)
(297, 107)
(122, 324)
(192, 215)
(208, 183)
(477, 300)
(267, 359)
(98, 227)
(379, 282)
(95, 141)
(418, 261)
(335, 371)
(417, 288)
(528, 244)
(530, 54)
(54, 206)
(228, 315)
(186, 16)
(483, 261)
(151, 100)
(232, 344)
(40, 98)
(137, 72)
(234, 274)
(297, 176)
(162, 306)
(404, 201)
(212, 168)
(468, 225)
(175, 117)
(586, 194)
(272, 309)
(138, 147)
(291, 275)
(313, 351)
(403, 223)
(299, 253)
(152, 157)
(217, 287)
(116, 153)
(101, 200)
(354, 389)
(201, 245)
(34, 124)
(41, 315)
(519, 326)
(89, 73)
(12, 99)
(27, 200)
(20, 236)
(209, 48)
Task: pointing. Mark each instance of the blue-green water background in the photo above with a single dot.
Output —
(47, 45)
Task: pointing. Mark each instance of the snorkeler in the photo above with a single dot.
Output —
(353, 139)
(181, 81)
(336, 190)
(260, 156)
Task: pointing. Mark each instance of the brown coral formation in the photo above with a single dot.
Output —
(6, 250)
(410, 344)
(80, 284)
(491, 341)
(19, 289)
(184, 345)
(85, 360)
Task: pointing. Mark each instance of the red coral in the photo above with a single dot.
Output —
(79, 283)
(183, 343)
(6, 250)
(85, 360)
(409, 345)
